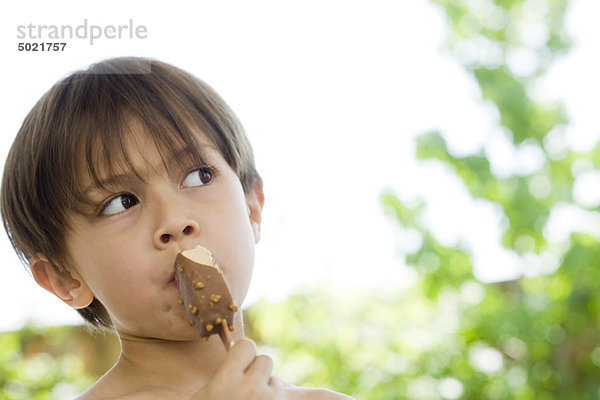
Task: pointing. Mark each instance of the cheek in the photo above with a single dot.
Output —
(102, 260)
(235, 251)
(91, 261)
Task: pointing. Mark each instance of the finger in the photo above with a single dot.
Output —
(261, 368)
(239, 358)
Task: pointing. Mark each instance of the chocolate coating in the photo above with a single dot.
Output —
(206, 297)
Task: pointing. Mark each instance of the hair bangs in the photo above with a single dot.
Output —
(122, 119)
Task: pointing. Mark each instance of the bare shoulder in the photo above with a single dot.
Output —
(86, 396)
(111, 390)
(292, 392)
(140, 395)
(93, 395)
(317, 394)
(89, 395)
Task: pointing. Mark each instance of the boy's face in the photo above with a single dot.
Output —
(125, 253)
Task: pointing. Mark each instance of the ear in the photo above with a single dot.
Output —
(255, 200)
(67, 286)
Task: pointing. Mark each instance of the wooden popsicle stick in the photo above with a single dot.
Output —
(225, 335)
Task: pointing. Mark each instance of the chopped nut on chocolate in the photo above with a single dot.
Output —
(205, 294)
(193, 309)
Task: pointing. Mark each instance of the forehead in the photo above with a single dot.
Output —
(138, 150)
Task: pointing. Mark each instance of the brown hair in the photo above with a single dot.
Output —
(85, 117)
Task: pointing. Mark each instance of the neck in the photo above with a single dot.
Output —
(188, 365)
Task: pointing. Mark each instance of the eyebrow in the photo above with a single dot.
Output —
(112, 179)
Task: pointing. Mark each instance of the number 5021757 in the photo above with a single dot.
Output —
(42, 46)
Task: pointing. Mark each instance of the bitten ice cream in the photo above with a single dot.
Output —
(205, 294)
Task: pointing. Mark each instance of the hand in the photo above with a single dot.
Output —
(243, 375)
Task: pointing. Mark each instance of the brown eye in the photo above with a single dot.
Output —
(119, 204)
(128, 201)
(198, 177)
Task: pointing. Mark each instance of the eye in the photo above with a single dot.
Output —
(119, 204)
(198, 177)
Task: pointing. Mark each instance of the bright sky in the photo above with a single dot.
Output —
(331, 95)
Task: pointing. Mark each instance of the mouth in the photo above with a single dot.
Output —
(173, 280)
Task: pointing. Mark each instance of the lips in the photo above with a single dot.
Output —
(173, 280)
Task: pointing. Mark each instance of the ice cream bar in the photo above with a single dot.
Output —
(205, 294)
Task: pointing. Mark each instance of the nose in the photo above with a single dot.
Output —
(174, 224)
(163, 236)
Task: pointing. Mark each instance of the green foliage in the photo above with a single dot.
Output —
(39, 375)
(526, 200)
(361, 344)
(525, 118)
(450, 336)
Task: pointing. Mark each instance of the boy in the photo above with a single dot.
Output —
(115, 170)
